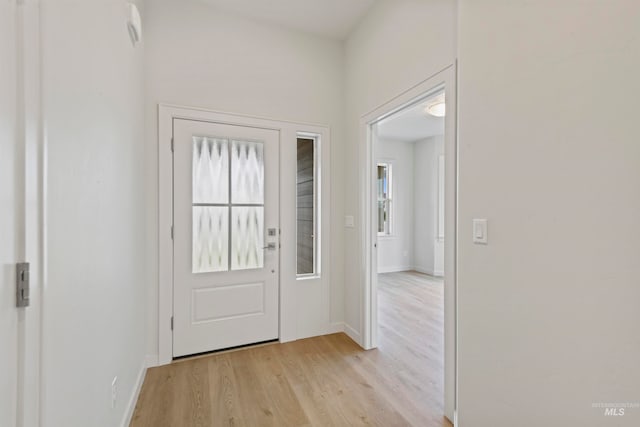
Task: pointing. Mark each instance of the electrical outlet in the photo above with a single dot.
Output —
(114, 392)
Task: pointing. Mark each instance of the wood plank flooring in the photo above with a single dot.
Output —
(322, 381)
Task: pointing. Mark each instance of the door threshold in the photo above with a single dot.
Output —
(224, 351)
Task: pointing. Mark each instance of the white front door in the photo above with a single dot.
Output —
(226, 236)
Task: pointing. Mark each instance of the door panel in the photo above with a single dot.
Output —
(226, 216)
(228, 302)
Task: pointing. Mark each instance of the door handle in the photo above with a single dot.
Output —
(270, 246)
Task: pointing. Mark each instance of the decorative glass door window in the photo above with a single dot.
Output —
(228, 204)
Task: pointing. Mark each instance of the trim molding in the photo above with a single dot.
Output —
(423, 270)
(133, 399)
(368, 234)
(434, 273)
(353, 334)
(395, 269)
(335, 328)
(151, 361)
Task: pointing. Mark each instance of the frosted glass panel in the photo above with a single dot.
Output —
(247, 172)
(210, 170)
(210, 239)
(247, 231)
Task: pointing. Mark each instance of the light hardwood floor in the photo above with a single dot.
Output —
(322, 381)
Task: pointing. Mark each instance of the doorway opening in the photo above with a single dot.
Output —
(409, 147)
(409, 150)
(409, 235)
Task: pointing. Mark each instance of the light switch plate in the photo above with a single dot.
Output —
(480, 231)
(349, 221)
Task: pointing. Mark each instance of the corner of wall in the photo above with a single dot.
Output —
(353, 334)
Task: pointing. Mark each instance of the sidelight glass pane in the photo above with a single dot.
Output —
(247, 231)
(210, 170)
(247, 172)
(306, 206)
(210, 239)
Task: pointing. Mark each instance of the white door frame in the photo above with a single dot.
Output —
(31, 143)
(369, 234)
(25, 127)
(298, 298)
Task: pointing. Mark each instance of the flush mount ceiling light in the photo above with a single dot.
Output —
(437, 110)
(437, 107)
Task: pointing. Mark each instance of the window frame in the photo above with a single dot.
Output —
(317, 208)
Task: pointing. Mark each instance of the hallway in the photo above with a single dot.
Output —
(321, 381)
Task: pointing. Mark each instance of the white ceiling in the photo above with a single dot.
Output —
(329, 18)
(411, 125)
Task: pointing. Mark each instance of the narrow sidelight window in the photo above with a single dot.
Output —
(307, 212)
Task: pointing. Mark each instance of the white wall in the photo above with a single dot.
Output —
(549, 310)
(398, 44)
(428, 253)
(395, 251)
(95, 287)
(197, 55)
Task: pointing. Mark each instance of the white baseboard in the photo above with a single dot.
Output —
(434, 273)
(329, 328)
(133, 399)
(151, 360)
(335, 327)
(382, 270)
(353, 334)
(423, 270)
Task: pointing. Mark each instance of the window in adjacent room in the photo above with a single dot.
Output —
(384, 199)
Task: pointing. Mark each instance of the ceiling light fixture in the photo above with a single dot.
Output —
(437, 108)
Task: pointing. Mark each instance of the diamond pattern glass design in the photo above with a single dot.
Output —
(228, 229)
(247, 231)
(210, 239)
(210, 170)
(247, 172)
